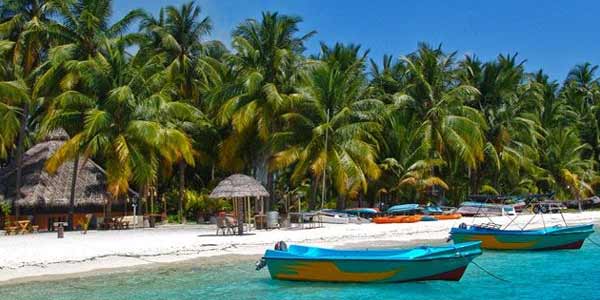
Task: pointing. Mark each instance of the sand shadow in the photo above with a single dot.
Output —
(228, 235)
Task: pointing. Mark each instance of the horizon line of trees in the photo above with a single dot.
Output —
(183, 111)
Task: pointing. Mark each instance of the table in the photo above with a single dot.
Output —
(61, 228)
(260, 221)
(23, 225)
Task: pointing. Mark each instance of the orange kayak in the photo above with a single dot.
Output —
(448, 217)
(397, 219)
(388, 220)
(411, 219)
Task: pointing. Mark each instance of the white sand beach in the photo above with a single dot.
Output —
(43, 256)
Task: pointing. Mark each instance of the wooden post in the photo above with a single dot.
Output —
(240, 217)
(248, 210)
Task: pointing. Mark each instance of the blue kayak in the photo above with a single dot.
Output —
(402, 208)
(432, 210)
(362, 211)
(305, 263)
(428, 218)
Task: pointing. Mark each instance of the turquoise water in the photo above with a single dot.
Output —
(567, 274)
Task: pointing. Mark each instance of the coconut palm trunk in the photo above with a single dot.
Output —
(340, 202)
(181, 190)
(108, 212)
(72, 197)
(270, 189)
(20, 150)
(314, 186)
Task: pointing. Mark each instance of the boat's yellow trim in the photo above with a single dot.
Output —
(328, 271)
(492, 242)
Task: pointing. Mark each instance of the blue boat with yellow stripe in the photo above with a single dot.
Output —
(303, 263)
(551, 238)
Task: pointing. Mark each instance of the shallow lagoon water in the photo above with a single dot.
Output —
(567, 274)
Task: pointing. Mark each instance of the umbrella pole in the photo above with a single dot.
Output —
(248, 210)
(240, 217)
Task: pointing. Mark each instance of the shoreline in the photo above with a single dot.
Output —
(43, 257)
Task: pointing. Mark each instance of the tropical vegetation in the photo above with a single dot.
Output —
(162, 108)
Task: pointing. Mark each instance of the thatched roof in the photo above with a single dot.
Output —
(41, 189)
(239, 185)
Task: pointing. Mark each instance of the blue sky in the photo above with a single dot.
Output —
(552, 35)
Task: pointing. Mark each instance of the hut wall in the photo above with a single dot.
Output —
(45, 220)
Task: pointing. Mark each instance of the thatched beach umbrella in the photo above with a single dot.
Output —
(237, 187)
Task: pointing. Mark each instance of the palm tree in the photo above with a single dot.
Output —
(12, 95)
(178, 37)
(450, 128)
(387, 80)
(23, 34)
(130, 143)
(554, 110)
(82, 39)
(581, 91)
(566, 169)
(513, 130)
(268, 56)
(23, 31)
(331, 127)
(419, 176)
(404, 155)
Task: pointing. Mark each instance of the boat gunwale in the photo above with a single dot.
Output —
(466, 249)
(578, 229)
(424, 259)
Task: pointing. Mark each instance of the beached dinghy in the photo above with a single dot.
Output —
(418, 264)
(551, 238)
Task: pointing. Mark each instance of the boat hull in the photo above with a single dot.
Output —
(448, 217)
(554, 238)
(397, 219)
(450, 268)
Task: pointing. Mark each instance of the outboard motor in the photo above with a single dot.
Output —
(281, 246)
(462, 226)
(261, 264)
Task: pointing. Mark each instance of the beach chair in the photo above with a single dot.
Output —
(118, 223)
(124, 224)
(11, 229)
(222, 226)
(109, 224)
(85, 223)
(231, 224)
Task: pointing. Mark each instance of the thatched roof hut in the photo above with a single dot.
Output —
(239, 186)
(41, 189)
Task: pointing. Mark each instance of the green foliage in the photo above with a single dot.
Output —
(400, 130)
(5, 208)
(198, 203)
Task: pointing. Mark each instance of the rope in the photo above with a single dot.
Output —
(563, 217)
(511, 221)
(593, 242)
(489, 273)
(480, 267)
(544, 222)
(523, 228)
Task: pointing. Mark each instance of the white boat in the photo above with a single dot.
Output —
(471, 208)
(335, 217)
